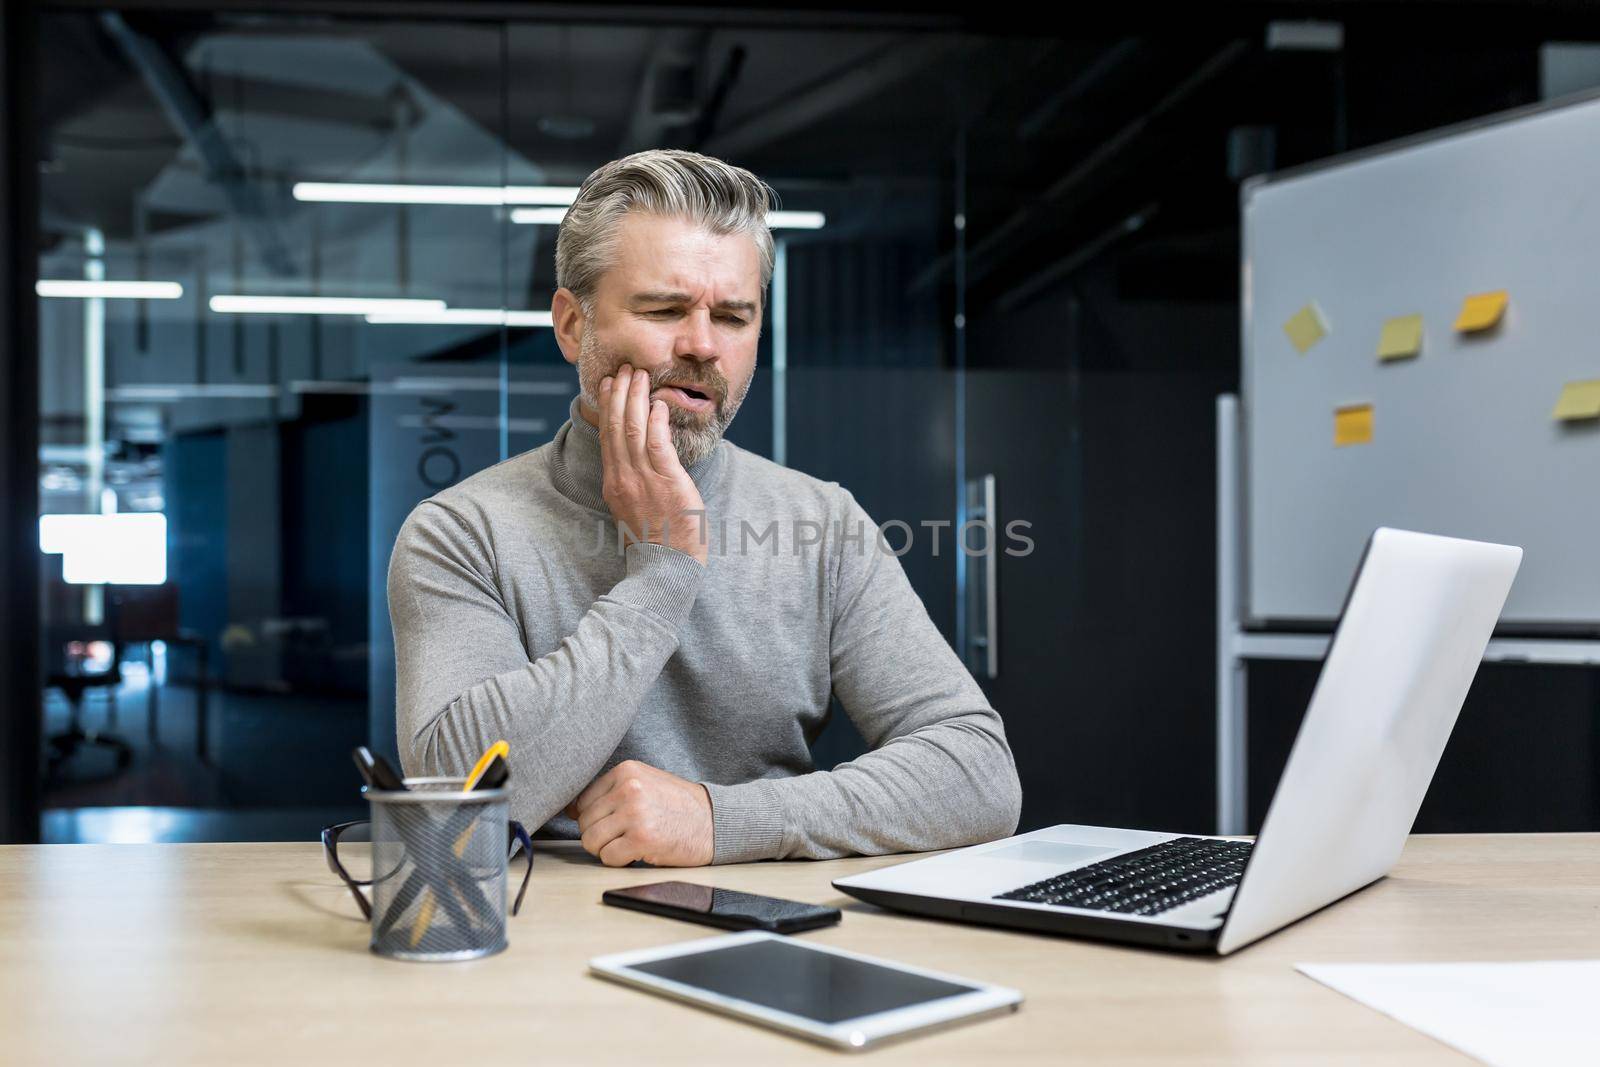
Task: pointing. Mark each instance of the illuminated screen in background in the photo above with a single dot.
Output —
(126, 549)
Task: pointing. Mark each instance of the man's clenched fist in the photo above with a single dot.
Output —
(638, 812)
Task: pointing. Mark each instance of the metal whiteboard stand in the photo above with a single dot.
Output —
(1236, 645)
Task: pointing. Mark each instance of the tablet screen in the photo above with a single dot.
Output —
(783, 975)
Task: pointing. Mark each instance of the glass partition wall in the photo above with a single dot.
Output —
(295, 277)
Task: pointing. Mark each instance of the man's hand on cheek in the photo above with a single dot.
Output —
(638, 812)
(642, 481)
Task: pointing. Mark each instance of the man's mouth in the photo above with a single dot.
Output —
(686, 396)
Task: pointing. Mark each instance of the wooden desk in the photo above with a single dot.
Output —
(253, 953)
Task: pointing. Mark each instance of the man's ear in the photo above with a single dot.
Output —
(566, 315)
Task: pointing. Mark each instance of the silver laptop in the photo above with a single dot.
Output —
(1413, 630)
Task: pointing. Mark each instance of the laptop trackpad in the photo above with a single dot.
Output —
(1057, 853)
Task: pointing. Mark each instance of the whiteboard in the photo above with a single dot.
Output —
(1463, 442)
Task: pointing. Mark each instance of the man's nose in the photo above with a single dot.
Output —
(696, 340)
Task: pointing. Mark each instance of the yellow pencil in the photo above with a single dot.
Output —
(499, 748)
(424, 918)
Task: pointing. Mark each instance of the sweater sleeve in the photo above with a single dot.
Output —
(940, 773)
(463, 678)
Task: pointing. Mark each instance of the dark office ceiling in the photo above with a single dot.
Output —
(1097, 138)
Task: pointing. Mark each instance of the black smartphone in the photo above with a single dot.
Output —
(727, 909)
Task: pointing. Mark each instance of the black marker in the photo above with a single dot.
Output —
(376, 770)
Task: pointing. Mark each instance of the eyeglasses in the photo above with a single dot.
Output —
(358, 832)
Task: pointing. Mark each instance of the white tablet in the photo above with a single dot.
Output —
(827, 994)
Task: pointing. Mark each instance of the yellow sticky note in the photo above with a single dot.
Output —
(1306, 327)
(1482, 310)
(1579, 400)
(1401, 337)
(1352, 425)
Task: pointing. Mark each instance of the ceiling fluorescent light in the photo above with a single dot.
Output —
(553, 196)
(480, 195)
(462, 317)
(541, 194)
(172, 393)
(1305, 35)
(539, 216)
(796, 220)
(318, 305)
(74, 287)
(777, 220)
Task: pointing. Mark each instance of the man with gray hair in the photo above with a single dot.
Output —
(659, 696)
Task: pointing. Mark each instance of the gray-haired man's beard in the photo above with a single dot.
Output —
(694, 437)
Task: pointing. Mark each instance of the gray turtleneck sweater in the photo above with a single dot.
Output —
(516, 616)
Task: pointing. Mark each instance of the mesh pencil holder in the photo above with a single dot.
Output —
(439, 871)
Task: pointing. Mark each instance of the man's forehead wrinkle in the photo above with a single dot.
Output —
(680, 296)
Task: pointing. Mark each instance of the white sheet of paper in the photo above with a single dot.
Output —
(1505, 1014)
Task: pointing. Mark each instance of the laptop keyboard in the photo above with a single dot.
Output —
(1147, 882)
